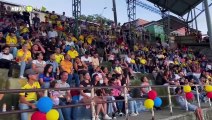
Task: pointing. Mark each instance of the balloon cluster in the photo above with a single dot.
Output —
(208, 89)
(45, 112)
(152, 100)
(189, 95)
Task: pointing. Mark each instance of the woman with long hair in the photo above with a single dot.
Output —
(47, 76)
(38, 64)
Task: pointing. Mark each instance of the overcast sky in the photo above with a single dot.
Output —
(90, 7)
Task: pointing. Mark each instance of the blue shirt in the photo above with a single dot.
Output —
(45, 78)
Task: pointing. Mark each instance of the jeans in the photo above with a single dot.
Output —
(133, 106)
(22, 106)
(134, 67)
(46, 85)
(60, 114)
(7, 64)
(67, 112)
(76, 78)
(142, 68)
(110, 106)
(14, 50)
(120, 104)
(23, 67)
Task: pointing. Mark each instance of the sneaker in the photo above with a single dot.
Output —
(120, 114)
(22, 77)
(97, 118)
(133, 114)
(114, 118)
(106, 117)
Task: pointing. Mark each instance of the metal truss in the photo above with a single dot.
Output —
(76, 11)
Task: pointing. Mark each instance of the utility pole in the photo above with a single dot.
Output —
(114, 12)
(208, 19)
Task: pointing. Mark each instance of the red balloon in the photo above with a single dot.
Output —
(209, 94)
(38, 116)
(152, 94)
(189, 96)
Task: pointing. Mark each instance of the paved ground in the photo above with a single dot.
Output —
(163, 114)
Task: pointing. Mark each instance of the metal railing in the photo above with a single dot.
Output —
(92, 103)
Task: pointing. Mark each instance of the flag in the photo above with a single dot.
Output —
(43, 9)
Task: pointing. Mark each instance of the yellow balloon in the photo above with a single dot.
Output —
(187, 89)
(52, 115)
(149, 103)
(208, 88)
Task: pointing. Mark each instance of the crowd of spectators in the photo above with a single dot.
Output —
(50, 56)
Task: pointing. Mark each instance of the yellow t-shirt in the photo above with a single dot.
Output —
(73, 54)
(29, 45)
(89, 40)
(29, 96)
(145, 49)
(143, 61)
(135, 48)
(20, 53)
(81, 38)
(59, 58)
(132, 61)
(24, 29)
(11, 40)
(53, 18)
(118, 69)
(74, 39)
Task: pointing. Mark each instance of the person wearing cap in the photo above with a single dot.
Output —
(24, 59)
(28, 99)
(11, 40)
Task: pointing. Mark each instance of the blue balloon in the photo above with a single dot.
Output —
(157, 102)
(44, 104)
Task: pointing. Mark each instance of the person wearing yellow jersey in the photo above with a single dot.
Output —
(12, 42)
(133, 64)
(90, 39)
(28, 41)
(58, 56)
(24, 29)
(53, 17)
(143, 63)
(28, 99)
(24, 59)
(73, 53)
(81, 38)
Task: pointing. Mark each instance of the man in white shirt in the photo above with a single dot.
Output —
(6, 59)
(63, 17)
(86, 59)
(65, 96)
(52, 33)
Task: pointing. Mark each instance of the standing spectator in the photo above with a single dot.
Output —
(24, 58)
(63, 17)
(67, 66)
(26, 16)
(47, 76)
(36, 21)
(28, 99)
(38, 64)
(6, 59)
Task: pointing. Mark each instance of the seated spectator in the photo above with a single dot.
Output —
(6, 59)
(85, 96)
(88, 61)
(52, 33)
(47, 76)
(117, 67)
(65, 97)
(73, 53)
(12, 42)
(95, 60)
(28, 99)
(54, 95)
(58, 56)
(56, 70)
(182, 102)
(24, 59)
(51, 46)
(2, 40)
(80, 67)
(38, 64)
(37, 48)
(67, 66)
(145, 88)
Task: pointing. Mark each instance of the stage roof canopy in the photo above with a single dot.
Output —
(178, 7)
